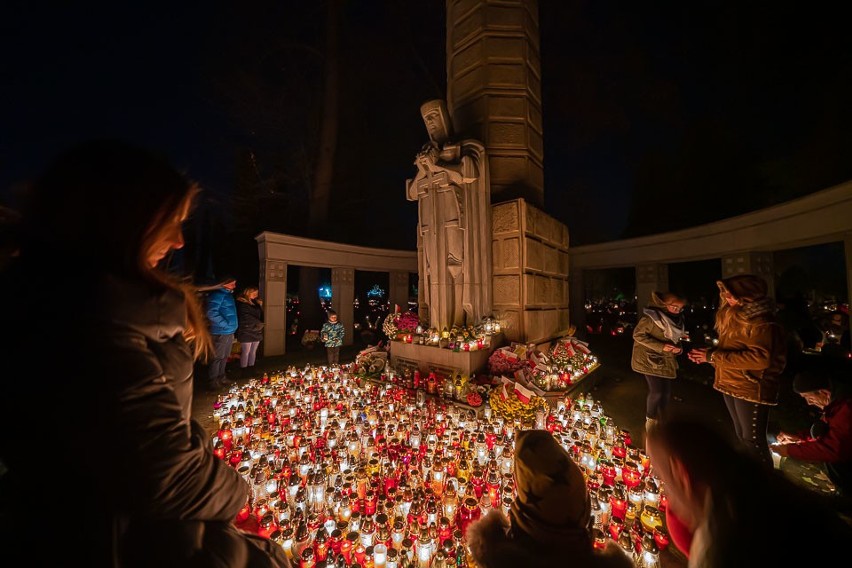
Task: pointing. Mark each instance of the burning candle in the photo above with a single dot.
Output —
(380, 555)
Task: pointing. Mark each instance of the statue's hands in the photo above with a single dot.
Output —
(428, 156)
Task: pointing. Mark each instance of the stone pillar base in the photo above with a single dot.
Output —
(427, 357)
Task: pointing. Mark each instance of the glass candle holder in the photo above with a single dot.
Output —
(380, 556)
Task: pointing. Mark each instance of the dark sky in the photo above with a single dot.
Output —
(654, 119)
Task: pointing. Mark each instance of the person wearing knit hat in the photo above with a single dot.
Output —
(550, 519)
(749, 358)
(829, 439)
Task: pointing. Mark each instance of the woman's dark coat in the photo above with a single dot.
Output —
(249, 321)
(105, 465)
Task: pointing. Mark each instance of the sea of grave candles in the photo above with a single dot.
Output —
(345, 470)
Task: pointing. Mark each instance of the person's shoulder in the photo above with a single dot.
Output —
(146, 307)
(217, 295)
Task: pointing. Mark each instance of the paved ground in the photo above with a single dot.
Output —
(621, 392)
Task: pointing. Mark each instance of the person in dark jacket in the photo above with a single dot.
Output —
(249, 326)
(656, 345)
(749, 359)
(104, 466)
(222, 315)
(550, 521)
(829, 440)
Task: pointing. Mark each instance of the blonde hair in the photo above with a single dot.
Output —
(727, 317)
(245, 293)
(114, 204)
(196, 331)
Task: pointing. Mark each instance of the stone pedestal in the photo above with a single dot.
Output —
(426, 357)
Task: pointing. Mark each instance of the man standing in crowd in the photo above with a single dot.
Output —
(222, 315)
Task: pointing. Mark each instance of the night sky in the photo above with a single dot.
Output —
(654, 119)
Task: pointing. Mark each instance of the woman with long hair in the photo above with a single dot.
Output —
(749, 358)
(104, 435)
(249, 325)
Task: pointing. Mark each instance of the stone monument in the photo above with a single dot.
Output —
(485, 246)
(452, 190)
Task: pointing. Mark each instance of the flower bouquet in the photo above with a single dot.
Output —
(506, 360)
(371, 361)
(400, 323)
(389, 326)
(406, 322)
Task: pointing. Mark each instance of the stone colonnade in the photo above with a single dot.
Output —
(276, 252)
(743, 244)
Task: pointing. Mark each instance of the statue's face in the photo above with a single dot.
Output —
(433, 121)
(435, 124)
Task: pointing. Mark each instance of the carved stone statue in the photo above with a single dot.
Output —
(453, 193)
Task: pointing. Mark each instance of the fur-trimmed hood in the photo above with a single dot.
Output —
(493, 546)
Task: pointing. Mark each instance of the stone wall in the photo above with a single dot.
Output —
(530, 272)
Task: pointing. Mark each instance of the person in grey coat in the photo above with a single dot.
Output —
(656, 345)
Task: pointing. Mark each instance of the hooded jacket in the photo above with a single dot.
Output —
(493, 545)
(656, 329)
(550, 517)
(222, 311)
(752, 354)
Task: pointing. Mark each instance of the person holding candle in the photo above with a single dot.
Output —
(139, 484)
(749, 359)
(550, 520)
(829, 440)
(725, 509)
(656, 345)
(332, 333)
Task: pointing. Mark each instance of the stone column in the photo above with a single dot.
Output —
(759, 263)
(273, 292)
(494, 90)
(650, 277)
(398, 293)
(342, 300)
(577, 303)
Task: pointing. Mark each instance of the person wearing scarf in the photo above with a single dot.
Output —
(656, 345)
(549, 523)
(749, 359)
